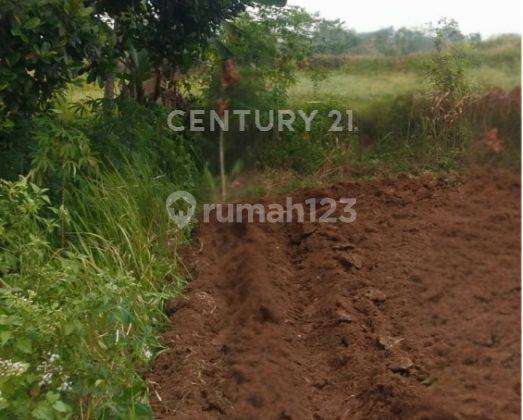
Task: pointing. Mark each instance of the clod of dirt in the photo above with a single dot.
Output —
(303, 233)
(267, 315)
(344, 247)
(344, 341)
(331, 235)
(321, 384)
(401, 364)
(415, 278)
(173, 305)
(423, 193)
(387, 342)
(284, 416)
(203, 301)
(429, 381)
(351, 260)
(309, 229)
(377, 296)
(343, 316)
(371, 229)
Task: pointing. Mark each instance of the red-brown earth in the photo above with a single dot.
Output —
(410, 312)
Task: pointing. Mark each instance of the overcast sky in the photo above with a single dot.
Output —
(485, 17)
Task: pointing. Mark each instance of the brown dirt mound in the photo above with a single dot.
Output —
(412, 311)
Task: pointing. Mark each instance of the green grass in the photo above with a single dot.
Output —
(392, 111)
(82, 318)
(358, 90)
(94, 303)
(485, 77)
(86, 266)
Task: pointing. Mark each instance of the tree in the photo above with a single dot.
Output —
(330, 37)
(172, 33)
(410, 41)
(447, 32)
(45, 44)
(259, 53)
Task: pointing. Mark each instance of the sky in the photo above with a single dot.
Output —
(486, 17)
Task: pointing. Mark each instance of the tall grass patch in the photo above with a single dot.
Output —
(84, 276)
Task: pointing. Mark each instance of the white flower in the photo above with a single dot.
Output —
(10, 368)
(112, 287)
(147, 354)
(53, 357)
(42, 367)
(65, 386)
(46, 378)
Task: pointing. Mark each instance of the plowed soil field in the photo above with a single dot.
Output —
(410, 312)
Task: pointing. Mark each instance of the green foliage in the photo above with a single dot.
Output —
(446, 69)
(48, 43)
(293, 151)
(136, 133)
(61, 152)
(173, 33)
(306, 152)
(502, 53)
(446, 33)
(136, 72)
(82, 285)
(78, 322)
(21, 224)
(266, 47)
(402, 125)
(45, 44)
(331, 37)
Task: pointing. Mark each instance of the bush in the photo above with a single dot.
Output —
(82, 284)
(44, 45)
(295, 152)
(78, 324)
(135, 133)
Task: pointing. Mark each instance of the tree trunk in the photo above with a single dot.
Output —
(109, 88)
(222, 166)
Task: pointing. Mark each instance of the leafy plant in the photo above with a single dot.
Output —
(257, 56)
(79, 323)
(447, 73)
(45, 44)
(137, 69)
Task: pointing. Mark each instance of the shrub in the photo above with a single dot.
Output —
(82, 284)
(44, 46)
(292, 151)
(78, 324)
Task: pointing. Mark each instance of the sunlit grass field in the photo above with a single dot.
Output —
(359, 90)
